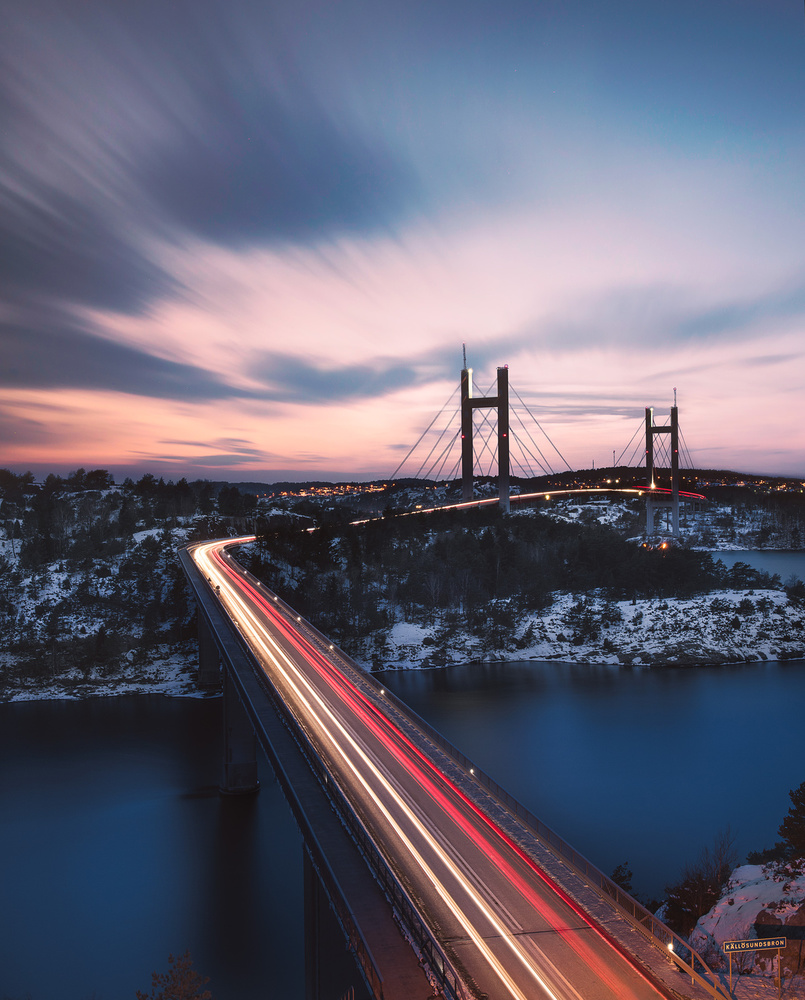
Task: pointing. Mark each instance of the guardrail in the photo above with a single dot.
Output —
(642, 919)
(405, 911)
(659, 934)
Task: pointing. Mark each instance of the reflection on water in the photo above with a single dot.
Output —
(117, 850)
(638, 765)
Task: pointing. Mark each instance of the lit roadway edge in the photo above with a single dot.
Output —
(660, 492)
(515, 932)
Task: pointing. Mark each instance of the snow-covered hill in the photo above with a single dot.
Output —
(771, 896)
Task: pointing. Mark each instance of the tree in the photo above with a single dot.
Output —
(792, 828)
(181, 983)
(622, 876)
(700, 886)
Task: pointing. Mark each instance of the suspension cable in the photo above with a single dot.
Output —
(442, 458)
(549, 469)
(450, 399)
(559, 453)
(436, 444)
(639, 427)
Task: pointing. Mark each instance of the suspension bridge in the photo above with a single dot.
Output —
(508, 440)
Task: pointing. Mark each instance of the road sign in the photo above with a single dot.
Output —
(756, 944)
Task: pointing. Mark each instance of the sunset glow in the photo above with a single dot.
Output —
(248, 241)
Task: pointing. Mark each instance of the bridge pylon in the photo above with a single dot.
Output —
(469, 404)
(652, 502)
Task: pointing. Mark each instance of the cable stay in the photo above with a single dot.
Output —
(436, 444)
(631, 439)
(525, 407)
(422, 435)
(545, 465)
(434, 472)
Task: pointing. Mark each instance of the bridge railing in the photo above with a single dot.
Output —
(406, 913)
(678, 949)
(659, 934)
(335, 893)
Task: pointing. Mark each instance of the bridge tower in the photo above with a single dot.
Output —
(652, 502)
(469, 404)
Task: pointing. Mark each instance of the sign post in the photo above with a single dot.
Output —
(758, 944)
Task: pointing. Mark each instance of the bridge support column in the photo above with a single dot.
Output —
(652, 504)
(468, 405)
(240, 745)
(331, 972)
(209, 660)
(503, 439)
(466, 434)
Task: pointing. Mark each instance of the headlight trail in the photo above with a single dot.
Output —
(520, 934)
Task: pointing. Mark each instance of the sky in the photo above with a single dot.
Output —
(246, 240)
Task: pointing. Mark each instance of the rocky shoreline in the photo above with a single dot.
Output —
(727, 627)
(733, 626)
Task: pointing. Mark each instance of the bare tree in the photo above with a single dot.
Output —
(182, 982)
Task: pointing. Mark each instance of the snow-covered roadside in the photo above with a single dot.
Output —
(729, 626)
(168, 671)
(770, 895)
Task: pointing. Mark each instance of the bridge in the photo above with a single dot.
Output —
(509, 450)
(440, 882)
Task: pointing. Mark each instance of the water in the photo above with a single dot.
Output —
(785, 564)
(117, 850)
(644, 766)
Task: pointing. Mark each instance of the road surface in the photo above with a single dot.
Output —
(511, 931)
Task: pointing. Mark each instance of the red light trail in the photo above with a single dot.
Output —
(516, 932)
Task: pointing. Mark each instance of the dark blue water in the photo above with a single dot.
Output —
(786, 564)
(644, 766)
(116, 850)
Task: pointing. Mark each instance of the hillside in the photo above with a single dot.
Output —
(91, 596)
(92, 600)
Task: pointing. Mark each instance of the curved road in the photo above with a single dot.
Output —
(513, 932)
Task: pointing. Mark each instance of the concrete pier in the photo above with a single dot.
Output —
(331, 972)
(209, 659)
(240, 745)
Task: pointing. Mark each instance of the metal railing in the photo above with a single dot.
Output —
(407, 915)
(677, 949)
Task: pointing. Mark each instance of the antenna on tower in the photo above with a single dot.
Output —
(674, 395)
(464, 352)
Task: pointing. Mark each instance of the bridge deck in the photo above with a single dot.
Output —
(573, 937)
(325, 838)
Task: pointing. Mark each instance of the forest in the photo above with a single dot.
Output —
(88, 571)
(480, 566)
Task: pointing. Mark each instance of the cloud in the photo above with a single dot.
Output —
(251, 170)
(239, 447)
(21, 431)
(648, 315)
(739, 316)
(51, 353)
(56, 248)
(295, 379)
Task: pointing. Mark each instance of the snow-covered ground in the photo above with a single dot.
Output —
(166, 671)
(728, 626)
(140, 667)
(771, 895)
(724, 627)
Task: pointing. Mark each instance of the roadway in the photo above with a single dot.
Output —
(511, 931)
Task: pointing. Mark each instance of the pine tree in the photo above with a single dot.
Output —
(792, 828)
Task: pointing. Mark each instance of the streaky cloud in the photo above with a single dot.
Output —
(292, 378)
(50, 355)
(251, 170)
(55, 247)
